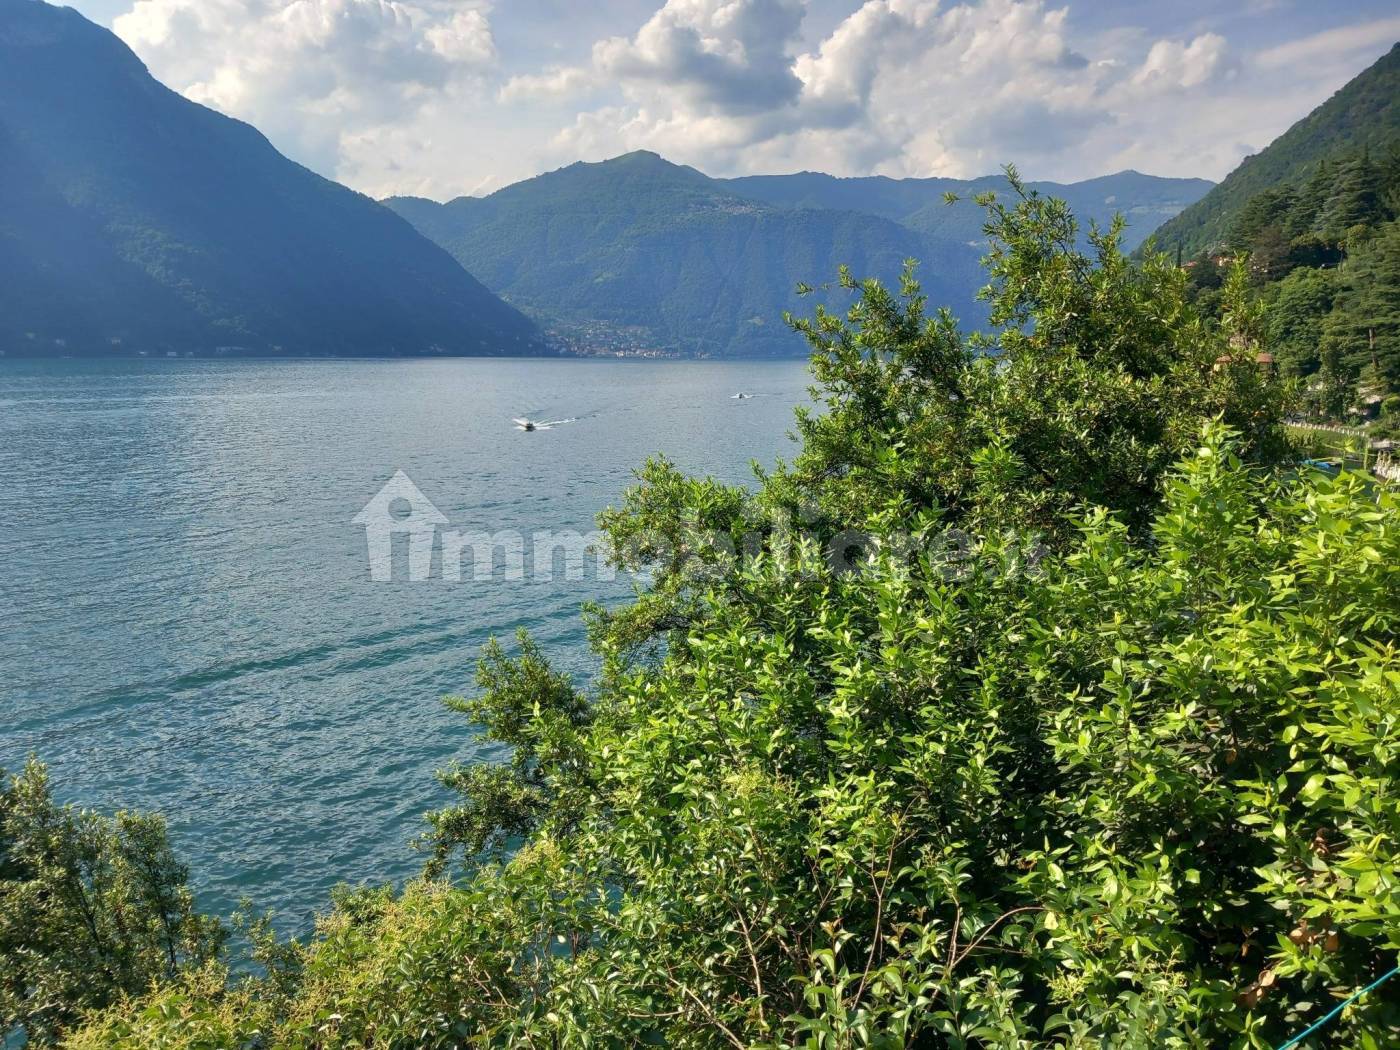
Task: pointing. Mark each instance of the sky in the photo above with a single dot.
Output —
(441, 98)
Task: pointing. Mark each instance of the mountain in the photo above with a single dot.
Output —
(639, 252)
(1363, 114)
(136, 220)
(1145, 201)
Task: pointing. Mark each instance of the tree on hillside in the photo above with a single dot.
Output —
(1355, 198)
(92, 909)
(1270, 209)
(1302, 244)
(1297, 306)
(1309, 200)
(1389, 163)
(860, 771)
(1363, 330)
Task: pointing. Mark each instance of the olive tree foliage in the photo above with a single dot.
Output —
(538, 714)
(1140, 796)
(1095, 376)
(91, 909)
(1135, 791)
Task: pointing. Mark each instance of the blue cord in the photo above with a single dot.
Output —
(1338, 1009)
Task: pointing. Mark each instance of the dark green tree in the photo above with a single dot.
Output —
(1315, 251)
(1272, 208)
(1306, 214)
(1355, 200)
(91, 909)
(1389, 164)
(1297, 308)
(1363, 331)
(1327, 324)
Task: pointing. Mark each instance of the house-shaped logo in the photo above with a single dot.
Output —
(400, 508)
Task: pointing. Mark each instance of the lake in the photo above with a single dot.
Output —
(190, 622)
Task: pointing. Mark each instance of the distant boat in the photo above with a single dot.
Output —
(741, 397)
(530, 425)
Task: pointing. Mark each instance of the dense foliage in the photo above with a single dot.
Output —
(1326, 254)
(638, 252)
(1363, 114)
(91, 909)
(134, 219)
(1029, 705)
(1315, 215)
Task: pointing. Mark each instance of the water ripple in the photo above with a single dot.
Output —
(190, 622)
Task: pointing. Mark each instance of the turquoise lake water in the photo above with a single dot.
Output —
(189, 620)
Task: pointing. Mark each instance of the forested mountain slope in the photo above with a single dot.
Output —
(638, 252)
(1323, 252)
(1363, 114)
(641, 253)
(136, 220)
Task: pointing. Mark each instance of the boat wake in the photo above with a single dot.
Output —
(531, 425)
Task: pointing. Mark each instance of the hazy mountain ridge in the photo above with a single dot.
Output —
(1365, 113)
(1144, 200)
(639, 253)
(140, 220)
(642, 252)
(143, 221)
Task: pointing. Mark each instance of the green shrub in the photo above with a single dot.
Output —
(1111, 763)
(1141, 795)
(91, 909)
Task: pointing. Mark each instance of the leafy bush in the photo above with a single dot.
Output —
(91, 909)
(1141, 795)
(1027, 707)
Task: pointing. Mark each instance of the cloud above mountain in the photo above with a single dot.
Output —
(449, 96)
(314, 74)
(904, 87)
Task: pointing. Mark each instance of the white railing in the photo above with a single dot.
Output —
(1331, 428)
(1385, 466)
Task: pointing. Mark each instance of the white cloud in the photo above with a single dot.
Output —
(465, 37)
(417, 96)
(554, 83)
(312, 74)
(1342, 42)
(902, 87)
(719, 55)
(1172, 63)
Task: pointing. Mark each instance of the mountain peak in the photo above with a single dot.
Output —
(639, 156)
(644, 160)
(638, 168)
(190, 231)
